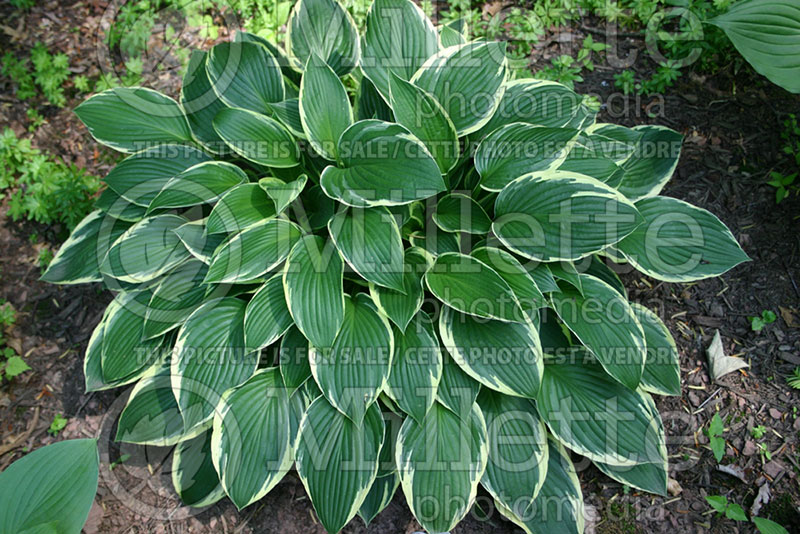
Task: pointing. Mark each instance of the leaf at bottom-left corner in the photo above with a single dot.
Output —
(51, 489)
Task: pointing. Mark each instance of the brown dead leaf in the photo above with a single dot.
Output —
(789, 317)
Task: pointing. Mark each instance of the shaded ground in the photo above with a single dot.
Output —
(731, 143)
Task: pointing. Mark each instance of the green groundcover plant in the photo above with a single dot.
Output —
(376, 258)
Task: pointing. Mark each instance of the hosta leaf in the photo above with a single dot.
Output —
(453, 33)
(210, 358)
(436, 241)
(679, 242)
(200, 102)
(459, 213)
(200, 184)
(274, 48)
(130, 119)
(399, 306)
(511, 270)
(559, 507)
(370, 242)
(398, 39)
(125, 355)
(313, 281)
(258, 249)
(518, 451)
(596, 416)
(337, 460)
(195, 237)
(581, 161)
(175, 297)
(325, 110)
(517, 149)
(370, 104)
(651, 165)
(558, 215)
(294, 364)
(440, 462)
(140, 177)
(662, 372)
(424, 116)
(193, 475)
(288, 114)
(146, 250)
(599, 268)
(78, 259)
(257, 138)
(92, 360)
(767, 34)
(416, 367)
(543, 277)
(250, 443)
(325, 28)
(354, 370)
(567, 272)
(606, 324)
(113, 205)
(242, 206)
(283, 193)
(245, 75)
(364, 180)
(267, 318)
(379, 496)
(318, 208)
(506, 357)
(50, 490)
(457, 390)
(467, 80)
(470, 286)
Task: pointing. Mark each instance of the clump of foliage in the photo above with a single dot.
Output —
(48, 72)
(11, 364)
(40, 188)
(758, 323)
(410, 288)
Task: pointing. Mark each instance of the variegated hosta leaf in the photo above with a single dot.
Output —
(662, 372)
(436, 241)
(288, 114)
(353, 371)
(267, 318)
(652, 163)
(459, 213)
(125, 356)
(325, 28)
(337, 460)
(250, 443)
(195, 237)
(398, 306)
(283, 193)
(596, 416)
(313, 279)
(566, 271)
(203, 183)
(606, 324)
(242, 206)
(457, 391)
(559, 215)
(210, 358)
(257, 138)
(152, 416)
(599, 268)
(518, 452)
(245, 75)
(362, 180)
(416, 367)
(379, 496)
(520, 281)
(200, 102)
(193, 475)
(325, 110)
(176, 296)
(470, 286)
(294, 363)
(467, 80)
(440, 461)
(678, 242)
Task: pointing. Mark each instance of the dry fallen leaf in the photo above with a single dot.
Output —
(719, 364)
(789, 317)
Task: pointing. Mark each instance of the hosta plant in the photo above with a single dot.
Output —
(373, 257)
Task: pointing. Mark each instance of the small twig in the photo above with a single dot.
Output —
(700, 408)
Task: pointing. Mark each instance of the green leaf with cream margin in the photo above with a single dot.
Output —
(662, 372)
(559, 215)
(267, 317)
(245, 75)
(467, 80)
(337, 460)
(363, 180)
(353, 371)
(203, 183)
(250, 442)
(470, 286)
(605, 323)
(678, 242)
(325, 28)
(257, 138)
(649, 168)
(440, 481)
(151, 416)
(242, 206)
(325, 110)
(282, 193)
(193, 475)
(456, 212)
(400, 307)
(518, 278)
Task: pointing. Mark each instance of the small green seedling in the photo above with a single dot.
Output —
(14, 365)
(731, 510)
(794, 381)
(758, 431)
(758, 323)
(763, 450)
(714, 431)
(58, 424)
(121, 460)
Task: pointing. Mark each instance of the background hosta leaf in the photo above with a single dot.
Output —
(288, 114)
(467, 80)
(245, 75)
(294, 364)
(354, 370)
(130, 119)
(416, 367)
(459, 213)
(193, 474)
(558, 215)
(283, 193)
(470, 286)
(370, 242)
(151, 416)
(253, 252)
(506, 357)
(520, 281)
(337, 460)
(604, 322)
(175, 297)
(398, 40)
(124, 353)
(364, 180)
(51, 489)
(325, 110)
(596, 416)
(200, 184)
(267, 318)
(767, 34)
(678, 242)
(210, 358)
(424, 116)
(242, 206)
(313, 279)
(518, 452)
(662, 372)
(257, 138)
(200, 102)
(250, 443)
(457, 391)
(518, 148)
(440, 478)
(379, 496)
(651, 165)
(399, 306)
(325, 28)
(195, 237)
